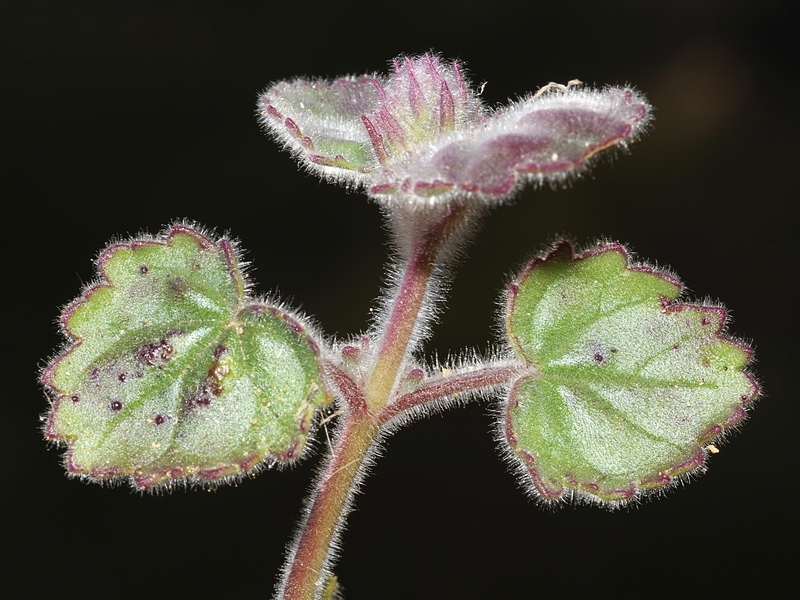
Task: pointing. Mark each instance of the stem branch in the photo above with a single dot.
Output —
(367, 403)
(452, 384)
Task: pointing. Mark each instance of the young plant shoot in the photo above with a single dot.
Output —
(608, 384)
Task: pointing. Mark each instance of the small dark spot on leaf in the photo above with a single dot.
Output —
(204, 394)
(599, 358)
(122, 377)
(159, 419)
(116, 405)
(705, 321)
(155, 355)
(143, 269)
(75, 398)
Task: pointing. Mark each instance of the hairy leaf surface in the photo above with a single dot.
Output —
(631, 384)
(320, 122)
(422, 136)
(175, 374)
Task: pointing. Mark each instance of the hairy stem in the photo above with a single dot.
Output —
(403, 320)
(306, 575)
(366, 403)
(452, 384)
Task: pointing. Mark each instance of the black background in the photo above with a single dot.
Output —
(120, 117)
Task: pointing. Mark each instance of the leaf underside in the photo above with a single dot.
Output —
(630, 384)
(545, 138)
(175, 374)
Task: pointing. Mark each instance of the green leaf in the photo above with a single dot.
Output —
(175, 374)
(628, 386)
(320, 122)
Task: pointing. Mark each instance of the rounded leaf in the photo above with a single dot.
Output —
(630, 385)
(174, 374)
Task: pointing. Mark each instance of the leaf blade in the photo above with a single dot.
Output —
(630, 382)
(157, 385)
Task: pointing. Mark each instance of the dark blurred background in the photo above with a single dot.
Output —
(120, 117)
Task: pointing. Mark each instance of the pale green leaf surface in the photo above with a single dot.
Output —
(629, 384)
(175, 374)
(321, 122)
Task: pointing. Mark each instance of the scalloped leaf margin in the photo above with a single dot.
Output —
(631, 386)
(422, 135)
(173, 374)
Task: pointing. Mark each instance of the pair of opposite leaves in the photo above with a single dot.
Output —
(178, 375)
(175, 374)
